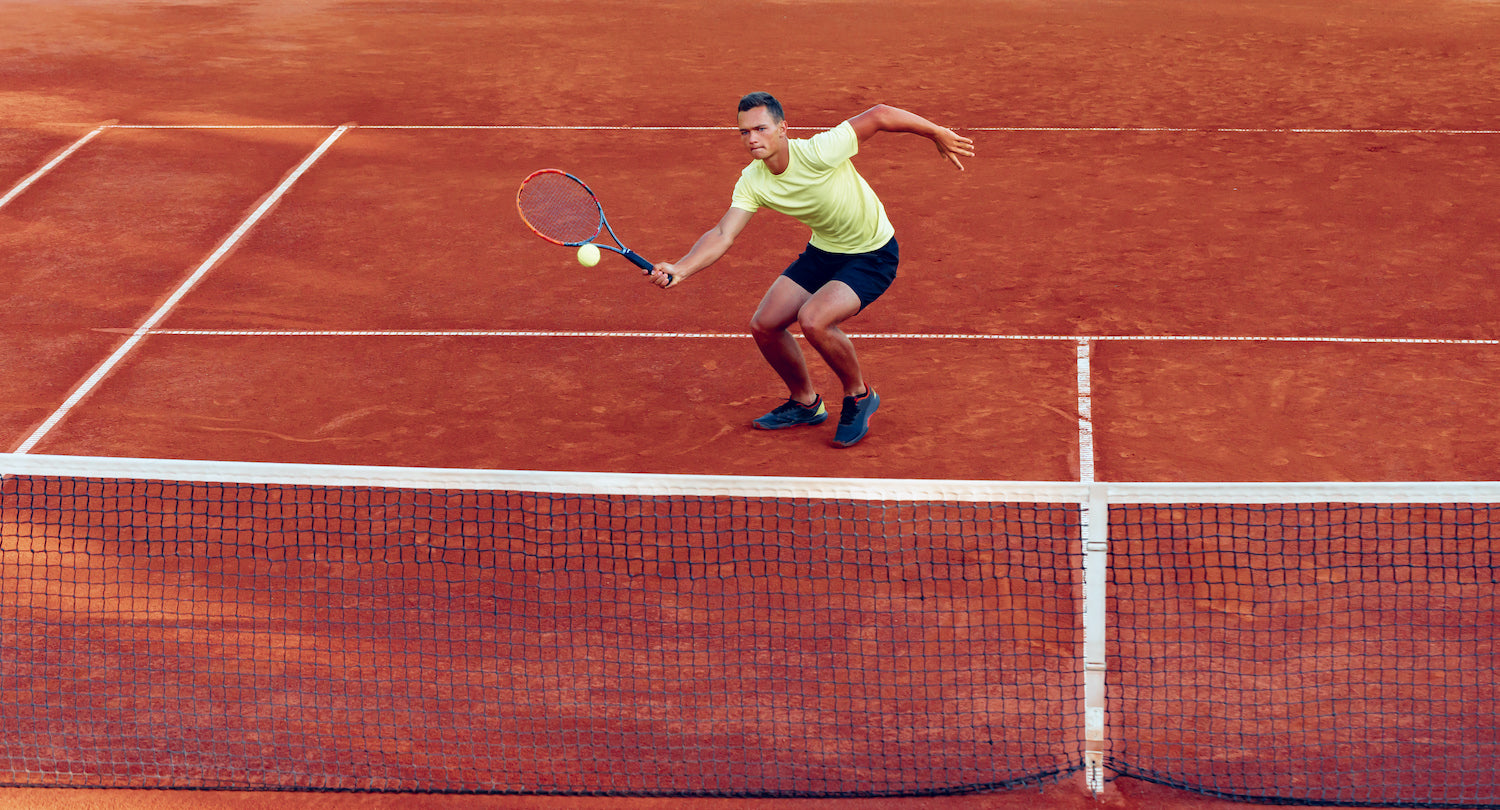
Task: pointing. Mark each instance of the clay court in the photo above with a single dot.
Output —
(1199, 242)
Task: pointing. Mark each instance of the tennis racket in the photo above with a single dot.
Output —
(563, 210)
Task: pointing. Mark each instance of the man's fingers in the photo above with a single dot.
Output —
(951, 153)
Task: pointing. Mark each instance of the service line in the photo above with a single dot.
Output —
(1200, 130)
(546, 333)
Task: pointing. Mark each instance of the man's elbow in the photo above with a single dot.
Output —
(876, 119)
(723, 240)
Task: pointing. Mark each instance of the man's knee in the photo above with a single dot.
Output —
(823, 315)
(762, 326)
(814, 324)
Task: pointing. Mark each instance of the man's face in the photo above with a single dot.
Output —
(763, 136)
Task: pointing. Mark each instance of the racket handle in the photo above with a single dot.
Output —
(646, 267)
(637, 260)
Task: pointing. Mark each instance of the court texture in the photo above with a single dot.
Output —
(1201, 241)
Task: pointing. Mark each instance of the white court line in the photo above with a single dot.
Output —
(513, 333)
(477, 127)
(1085, 414)
(52, 164)
(1247, 130)
(223, 126)
(711, 128)
(441, 333)
(161, 312)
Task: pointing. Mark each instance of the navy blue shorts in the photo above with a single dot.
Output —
(868, 274)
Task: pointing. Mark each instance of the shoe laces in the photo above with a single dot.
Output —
(850, 410)
(793, 406)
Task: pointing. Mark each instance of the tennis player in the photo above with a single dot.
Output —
(849, 261)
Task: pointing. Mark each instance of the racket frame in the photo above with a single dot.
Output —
(618, 247)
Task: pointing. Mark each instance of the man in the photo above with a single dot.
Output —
(849, 262)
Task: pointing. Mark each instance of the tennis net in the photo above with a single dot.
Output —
(256, 626)
(204, 625)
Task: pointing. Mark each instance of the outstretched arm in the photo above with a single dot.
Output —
(712, 245)
(885, 118)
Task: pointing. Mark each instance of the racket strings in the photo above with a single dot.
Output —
(559, 208)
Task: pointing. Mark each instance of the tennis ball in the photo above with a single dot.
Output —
(588, 254)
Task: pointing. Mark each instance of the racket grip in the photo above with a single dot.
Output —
(646, 267)
(637, 260)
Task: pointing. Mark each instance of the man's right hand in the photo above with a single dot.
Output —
(664, 275)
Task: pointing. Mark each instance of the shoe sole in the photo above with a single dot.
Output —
(856, 440)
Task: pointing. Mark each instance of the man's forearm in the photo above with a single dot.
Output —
(709, 248)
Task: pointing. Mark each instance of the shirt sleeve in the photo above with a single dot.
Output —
(744, 198)
(828, 149)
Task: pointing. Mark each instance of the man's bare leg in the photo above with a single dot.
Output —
(777, 312)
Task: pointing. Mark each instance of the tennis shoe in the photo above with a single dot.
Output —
(854, 419)
(793, 413)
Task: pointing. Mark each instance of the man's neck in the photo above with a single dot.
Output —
(781, 161)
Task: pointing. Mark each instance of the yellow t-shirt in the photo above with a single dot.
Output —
(821, 189)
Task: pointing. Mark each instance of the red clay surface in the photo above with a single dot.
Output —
(1050, 233)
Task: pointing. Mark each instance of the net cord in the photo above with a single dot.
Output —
(869, 489)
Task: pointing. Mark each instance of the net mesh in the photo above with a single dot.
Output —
(559, 208)
(1326, 653)
(180, 624)
(183, 634)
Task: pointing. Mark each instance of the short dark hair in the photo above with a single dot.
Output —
(763, 99)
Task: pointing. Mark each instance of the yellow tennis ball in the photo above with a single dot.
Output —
(588, 254)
